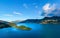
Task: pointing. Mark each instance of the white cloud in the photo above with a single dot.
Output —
(48, 8)
(17, 13)
(9, 15)
(25, 5)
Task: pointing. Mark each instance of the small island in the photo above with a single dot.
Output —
(22, 27)
(4, 24)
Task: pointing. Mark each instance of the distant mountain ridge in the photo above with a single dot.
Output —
(31, 21)
(54, 19)
(51, 20)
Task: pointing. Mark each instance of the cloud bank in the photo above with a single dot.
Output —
(50, 10)
(13, 14)
(17, 13)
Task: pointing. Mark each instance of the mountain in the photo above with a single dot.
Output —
(46, 20)
(4, 24)
(31, 21)
(51, 20)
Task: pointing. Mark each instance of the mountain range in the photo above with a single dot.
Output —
(46, 20)
(53, 20)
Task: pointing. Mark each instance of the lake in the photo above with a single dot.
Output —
(38, 31)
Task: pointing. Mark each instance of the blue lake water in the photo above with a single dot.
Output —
(38, 31)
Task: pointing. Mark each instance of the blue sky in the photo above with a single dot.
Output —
(11, 10)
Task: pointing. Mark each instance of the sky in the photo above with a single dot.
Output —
(11, 10)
